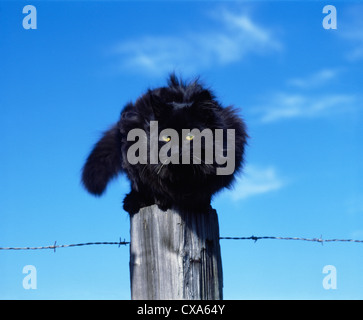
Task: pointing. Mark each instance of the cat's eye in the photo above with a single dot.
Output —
(166, 138)
(189, 137)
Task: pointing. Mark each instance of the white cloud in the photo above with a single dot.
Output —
(289, 106)
(256, 181)
(230, 38)
(316, 79)
(305, 101)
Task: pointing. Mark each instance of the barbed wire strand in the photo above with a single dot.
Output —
(124, 243)
(55, 246)
(320, 240)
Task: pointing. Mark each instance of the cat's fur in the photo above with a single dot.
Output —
(183, 186)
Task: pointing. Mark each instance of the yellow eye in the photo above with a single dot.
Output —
(166, 138)
(189, 137)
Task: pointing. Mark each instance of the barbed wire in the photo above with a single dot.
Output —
(320, 240)
(124, 243)
(55, 246)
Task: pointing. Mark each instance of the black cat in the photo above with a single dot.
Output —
(170, 181)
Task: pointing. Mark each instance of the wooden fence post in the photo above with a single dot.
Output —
(175, 255)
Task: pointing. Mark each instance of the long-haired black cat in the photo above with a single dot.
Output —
(184, 185)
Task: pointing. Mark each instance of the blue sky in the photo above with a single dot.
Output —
(298, 87)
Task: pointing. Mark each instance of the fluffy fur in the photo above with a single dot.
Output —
(183, 186)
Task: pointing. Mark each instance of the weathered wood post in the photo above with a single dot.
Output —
(175, 255)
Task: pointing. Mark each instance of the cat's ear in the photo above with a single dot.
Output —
(159, 107)
(104, 162)
(205, 106)
(205, 100)
(204, 96)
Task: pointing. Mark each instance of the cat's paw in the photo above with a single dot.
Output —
(130, 204)
(163, 204)
(133, 202)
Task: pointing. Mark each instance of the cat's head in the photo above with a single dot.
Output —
(185, 130)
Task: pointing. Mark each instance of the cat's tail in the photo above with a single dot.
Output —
(104, 162)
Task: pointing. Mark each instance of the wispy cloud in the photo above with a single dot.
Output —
(256, 181)
(304, 101)
(316, 79)
(229, 39)
(288, 106)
